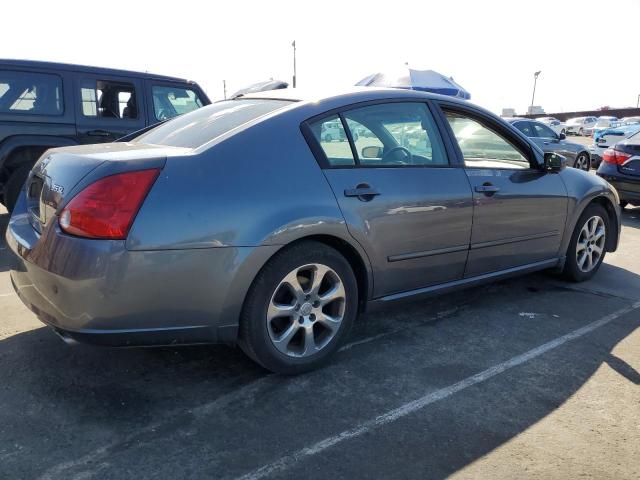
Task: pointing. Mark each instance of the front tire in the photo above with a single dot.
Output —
(587, 247)
(581, 132)
(299, 308)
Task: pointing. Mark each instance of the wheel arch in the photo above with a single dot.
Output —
(607, 204)
(29, 143)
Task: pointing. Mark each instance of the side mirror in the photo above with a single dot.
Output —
(562, 136)
(554, 162)
(372, 152)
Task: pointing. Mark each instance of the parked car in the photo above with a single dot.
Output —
(549, 141)
(239, 223)
(621, 168)
(553, 123)
(605, 139)
(577, 126)
(45, 105)
(629, 120)
(601, 124)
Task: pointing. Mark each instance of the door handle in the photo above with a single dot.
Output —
(98, 133)
(363, 191)
(487, 189)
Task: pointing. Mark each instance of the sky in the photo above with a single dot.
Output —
(587, 56)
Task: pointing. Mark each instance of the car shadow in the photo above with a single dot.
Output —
(219, 397)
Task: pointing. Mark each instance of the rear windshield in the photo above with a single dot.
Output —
(196, 128)
(30, 93)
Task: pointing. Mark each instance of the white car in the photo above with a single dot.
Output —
(602, 124)
(578, 125)
(553, 123)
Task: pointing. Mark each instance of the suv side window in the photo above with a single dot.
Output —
(542, 131)
(169, 102)
(108, 99)
(482, 147)
(30, 93)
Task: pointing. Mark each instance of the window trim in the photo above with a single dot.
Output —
(60, 113)
(323, 161)
(518, 139)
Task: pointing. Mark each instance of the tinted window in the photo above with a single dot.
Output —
(482, 147)
(524, 127)
(543, 131)
(169, 102)
(107, 99)
(196, 128)
(391, 134)
(332, 137)
(30, 93)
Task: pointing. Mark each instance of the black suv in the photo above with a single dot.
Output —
(45, 105)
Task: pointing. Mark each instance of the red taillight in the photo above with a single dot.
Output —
(615, 157)
(106, 208)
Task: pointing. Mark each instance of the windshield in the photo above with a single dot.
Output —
(577, 120)
(196, 128)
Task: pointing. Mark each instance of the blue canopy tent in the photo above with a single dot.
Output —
(423, 80)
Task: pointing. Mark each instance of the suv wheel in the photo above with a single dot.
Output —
(14, 185)
(588, 244)
(299, 309)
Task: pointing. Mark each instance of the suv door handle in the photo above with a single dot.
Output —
(363, 191)
(487, 189)
(98, 133)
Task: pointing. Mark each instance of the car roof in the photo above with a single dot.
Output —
(40, 65)
(350, 93)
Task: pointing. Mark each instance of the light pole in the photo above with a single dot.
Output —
(294, 63)
(224, 87)
(638, 102)
(535, 80)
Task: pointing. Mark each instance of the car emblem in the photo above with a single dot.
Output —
(57, 188)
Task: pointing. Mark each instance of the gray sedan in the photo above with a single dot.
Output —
(550, 141)
(240, 223)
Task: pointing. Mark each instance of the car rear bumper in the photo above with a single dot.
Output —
(97, 291)
(627, 186)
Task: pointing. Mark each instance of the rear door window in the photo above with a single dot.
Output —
(331, 135)
(30, 93)
(108, 99)
(169, 102)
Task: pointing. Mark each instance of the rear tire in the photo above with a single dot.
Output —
(299, 308)
(587, 247)
(582, 162)
(13, 186)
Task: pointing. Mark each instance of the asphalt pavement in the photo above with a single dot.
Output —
(525, 378)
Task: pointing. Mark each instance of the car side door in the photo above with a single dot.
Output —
(107, 107)
(402, 198)
(520, 209)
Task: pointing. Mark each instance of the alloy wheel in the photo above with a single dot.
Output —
(306, 310)
(590, 244)
(582, 162)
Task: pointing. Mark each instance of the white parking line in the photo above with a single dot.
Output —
(290, 460)
(6, 294)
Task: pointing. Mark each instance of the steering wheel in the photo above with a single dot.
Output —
(397, 149)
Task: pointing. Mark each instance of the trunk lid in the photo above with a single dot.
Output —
(62, 172)
(632, 165)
